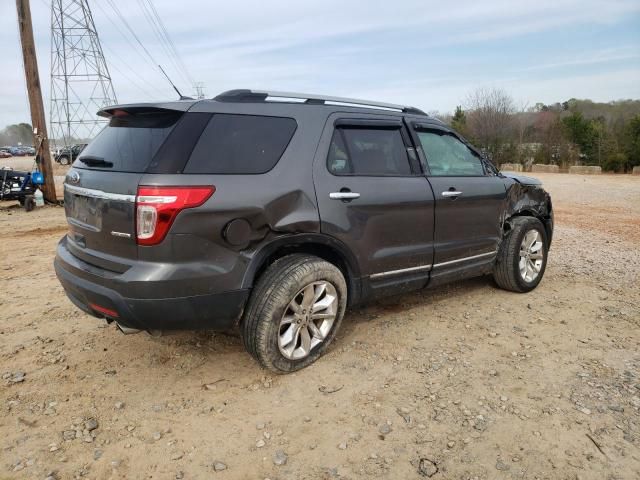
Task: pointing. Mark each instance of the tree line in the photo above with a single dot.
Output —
(574, 132)
(20, 133)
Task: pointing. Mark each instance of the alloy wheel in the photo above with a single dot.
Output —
(531, 255)
(307, 320)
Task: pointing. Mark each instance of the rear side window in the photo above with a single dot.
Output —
(368, 151)
(241, 144)
(129, 142)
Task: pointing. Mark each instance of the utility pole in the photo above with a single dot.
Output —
(43, 155)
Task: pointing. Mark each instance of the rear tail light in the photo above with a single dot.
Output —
(157, 207)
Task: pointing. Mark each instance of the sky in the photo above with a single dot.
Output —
(429, 54)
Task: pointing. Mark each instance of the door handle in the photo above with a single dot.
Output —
(343, 195)
(451, 193)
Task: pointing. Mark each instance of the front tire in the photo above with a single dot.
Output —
(522, 257)
(294, 312)
(63, 160)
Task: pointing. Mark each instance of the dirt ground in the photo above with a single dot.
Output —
(461, 382)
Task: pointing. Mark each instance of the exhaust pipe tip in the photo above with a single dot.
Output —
(127, 330)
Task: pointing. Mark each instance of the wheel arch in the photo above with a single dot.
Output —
(529, 201)
(545, 218)
(322, 246)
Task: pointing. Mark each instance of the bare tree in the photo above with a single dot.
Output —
(490, 121)
(444, 117)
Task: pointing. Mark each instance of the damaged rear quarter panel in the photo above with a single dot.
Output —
(278, 203)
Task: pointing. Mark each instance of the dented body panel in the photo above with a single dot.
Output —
(525, 196)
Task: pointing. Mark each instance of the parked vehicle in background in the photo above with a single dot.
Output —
(17, 151)
(66, 156)
(5, 154)
(272, 212)
(21, 186)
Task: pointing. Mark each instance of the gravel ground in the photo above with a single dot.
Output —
(462, 382)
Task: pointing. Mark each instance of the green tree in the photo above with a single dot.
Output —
(581, 132)
(459, 120)
(615, 162)
(632, 142)
(17, 133)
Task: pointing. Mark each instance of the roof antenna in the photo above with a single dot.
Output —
(182, 97)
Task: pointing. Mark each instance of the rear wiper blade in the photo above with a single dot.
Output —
(95, 161)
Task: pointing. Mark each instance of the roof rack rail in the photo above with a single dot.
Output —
(251, 96)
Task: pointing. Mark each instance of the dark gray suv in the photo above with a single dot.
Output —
(273, 212)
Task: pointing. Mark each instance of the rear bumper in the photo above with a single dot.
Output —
(216, 311)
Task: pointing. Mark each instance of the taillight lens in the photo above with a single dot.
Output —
(157, 208)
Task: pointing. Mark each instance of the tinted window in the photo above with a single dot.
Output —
(361, 151)
(448, 156)
(128, 143)
(237, 144)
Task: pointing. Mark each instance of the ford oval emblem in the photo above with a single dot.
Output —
(73, 177)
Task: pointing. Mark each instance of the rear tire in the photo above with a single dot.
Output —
(63, 160)
(294, 312)
(522, 257)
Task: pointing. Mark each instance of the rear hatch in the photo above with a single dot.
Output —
(101, 187)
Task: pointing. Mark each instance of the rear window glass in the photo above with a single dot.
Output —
(373, 152)
(128, 143)
(241, 144)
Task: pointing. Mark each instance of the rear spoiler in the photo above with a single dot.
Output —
(133, 108)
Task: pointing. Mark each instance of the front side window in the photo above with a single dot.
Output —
(368, 152)
(448, 156)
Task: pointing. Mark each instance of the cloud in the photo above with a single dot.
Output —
(418, 52)
(591, 58)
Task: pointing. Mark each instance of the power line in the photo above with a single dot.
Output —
(132, 81)
(145, 81)
(164, 43)
(172, 46)
(131, 30)
(133, 46)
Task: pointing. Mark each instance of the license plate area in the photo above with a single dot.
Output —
(85, 212)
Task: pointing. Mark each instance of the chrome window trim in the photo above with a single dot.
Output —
(89, 192)
(464, 259)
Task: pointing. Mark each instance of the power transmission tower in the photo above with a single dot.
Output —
(80, 80)
(199, 86)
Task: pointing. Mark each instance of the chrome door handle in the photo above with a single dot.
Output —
(450, 193)
(344, 195)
